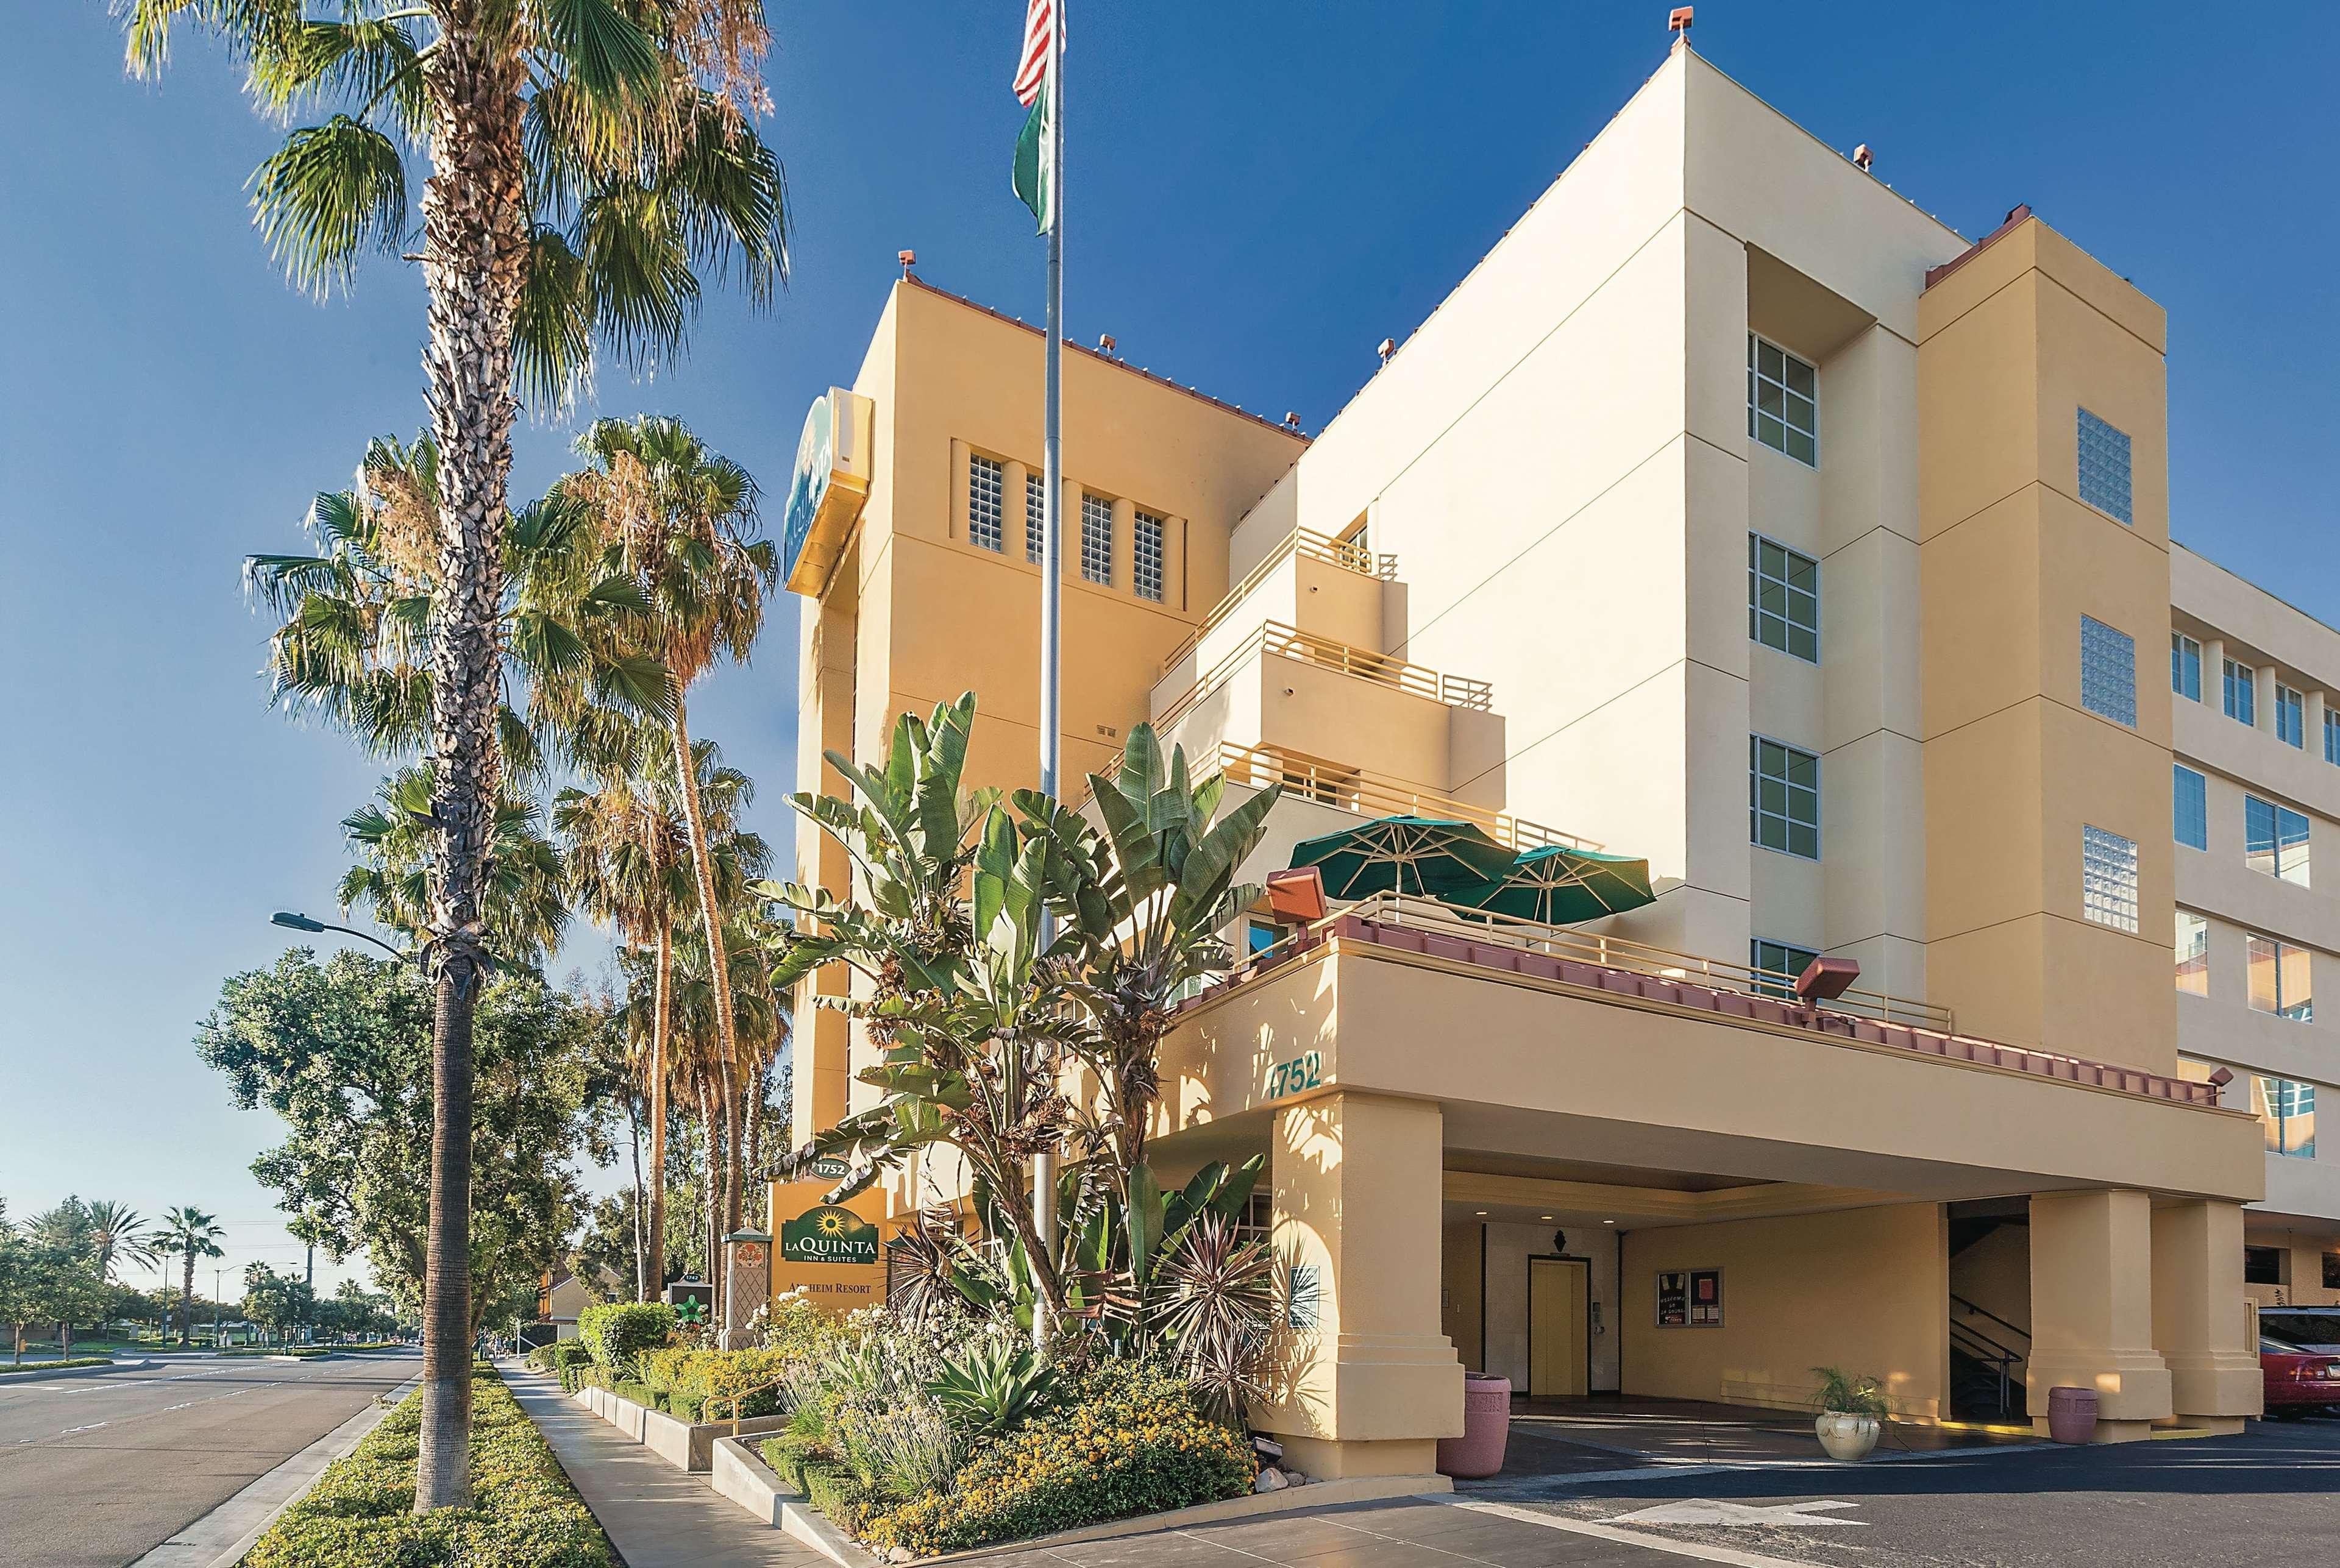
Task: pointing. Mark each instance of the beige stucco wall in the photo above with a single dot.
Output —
(1867, 1291)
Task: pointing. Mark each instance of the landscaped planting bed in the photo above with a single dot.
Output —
(58, 1365)
(525, 1515)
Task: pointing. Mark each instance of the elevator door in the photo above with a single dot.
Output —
(1559, 1295)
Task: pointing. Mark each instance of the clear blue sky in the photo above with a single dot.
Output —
(1257, 194)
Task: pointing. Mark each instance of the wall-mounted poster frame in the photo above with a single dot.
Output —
(1673, 1298)
(1706, 1299)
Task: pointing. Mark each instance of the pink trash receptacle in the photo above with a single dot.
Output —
(2072, 1414)
(1486, 1427)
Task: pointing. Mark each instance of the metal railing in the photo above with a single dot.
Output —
(1991, 1352)
(1287, 641)
(1347, 554)
(1622, 953)
(1327, 783)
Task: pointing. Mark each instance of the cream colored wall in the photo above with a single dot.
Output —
(1509, 1249)
(1885, 1279)
(1460, 1256)
(2012, 343)
(2307, 1246)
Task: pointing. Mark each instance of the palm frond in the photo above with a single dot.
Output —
(331, 191)
(552, 332)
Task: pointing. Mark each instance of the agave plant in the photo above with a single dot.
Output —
(993, 1386)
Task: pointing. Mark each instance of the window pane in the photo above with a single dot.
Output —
(2242, 692)
(2332, 735)
(1777, 964)
(2193, 953)
(2281, 979)
(2184, 667)
(2108, 878)
(2290, 716)
(1146, 556)
(1036, 517)
(1783, 598)
(1783, 400)
(2107, 672)
(1783, 797)
(2287, 1111)
(1097, 538)
(986, 487)
(2104, 466)
(2190, 806)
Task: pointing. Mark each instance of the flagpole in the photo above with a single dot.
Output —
(1052, 570)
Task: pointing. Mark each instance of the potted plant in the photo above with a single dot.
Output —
(1850, 1409)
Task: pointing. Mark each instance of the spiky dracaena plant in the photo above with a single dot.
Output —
(588, 160)
(1217, 1312)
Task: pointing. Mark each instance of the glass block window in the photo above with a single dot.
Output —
(2287, 1110)
(1783, 798)
(1783, 598)
(2190, 806)
(2332, 737)
(1097, 538)
(1035, 518)
(2275, 840)
(1145, 558)
(2242, 692)
(1777, 964)
(2282, 978)
(1782, 401)
(2193, 953)
(2104, 466)
(2184, 667)
(2108, 878)
(986, 489)
(2290, 716)
(2108, 671)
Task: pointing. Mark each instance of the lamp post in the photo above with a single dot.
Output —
(292, 921)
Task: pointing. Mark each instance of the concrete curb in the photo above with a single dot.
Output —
(17, 1376)
(221, 1537)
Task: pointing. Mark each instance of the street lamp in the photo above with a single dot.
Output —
(292, 921)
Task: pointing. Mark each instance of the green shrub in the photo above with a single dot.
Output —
(617, 1333)
(849, 1502)
(688, 1407)
(637, 1392)
(58, 1365)
(567, 1353)
(524, 1513)
(1130, 1439)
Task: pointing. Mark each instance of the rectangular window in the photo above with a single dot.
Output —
(986, 489)
(2108, 671)
(1783, 598)
(2242, 693)
(2184, 667)
(1145, 558)
(2263, 1265)
(1035, 518)
(1783, 788)
(2108, 878)
(2193, 953)
(2288, 1110)
(2190, 804)
(1782, 401)
(1097, 538)
(2290, 716)
(2104, 466)
(1777, 964)
(2275, 840)
(2282, 978)
(2332, 737)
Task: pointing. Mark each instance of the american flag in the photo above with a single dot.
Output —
(1032, 63)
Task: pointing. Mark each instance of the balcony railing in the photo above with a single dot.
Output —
(1346, 554)
(1287, 641)
(1613, 952)
(1333, 783)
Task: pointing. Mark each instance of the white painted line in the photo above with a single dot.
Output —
(1702, 1554)
(1739, 1515)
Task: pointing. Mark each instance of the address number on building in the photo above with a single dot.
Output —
(1291, 1076)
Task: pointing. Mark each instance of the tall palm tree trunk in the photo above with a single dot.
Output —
(719, 961)
(754, 1160)
(709, 1219)
(634, 1201)
(475, 248)
(659, 1108)
(187, 1303)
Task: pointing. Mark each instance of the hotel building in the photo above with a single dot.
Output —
(1736, 513)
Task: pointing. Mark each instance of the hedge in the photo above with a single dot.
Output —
(616, 1332)
(57, 1366)
(844, 1498)
(524, 1513)
(1127, 1439)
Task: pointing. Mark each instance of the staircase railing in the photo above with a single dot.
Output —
(1987, 1348)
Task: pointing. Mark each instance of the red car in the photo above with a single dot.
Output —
(2297, 1381)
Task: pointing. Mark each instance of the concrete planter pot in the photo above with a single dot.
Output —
(1486, 1428)
(1848, 1439)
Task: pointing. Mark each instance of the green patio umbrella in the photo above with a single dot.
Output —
(1561, 886)
(1407, 854)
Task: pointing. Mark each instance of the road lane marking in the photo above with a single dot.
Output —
(1744, 1515)
(1703, 1553)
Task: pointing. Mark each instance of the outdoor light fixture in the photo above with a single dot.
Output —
(1608, 1222)
(292, 921)
(1296, 894)
(1104, 344)
(1827, 979)
(1387, 347)
(1862, 157)
(908, 258)
(1680, 19)
(1483, 1214)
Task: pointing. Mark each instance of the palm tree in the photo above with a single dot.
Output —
(589, 158)
(681, 519)
(188, 1233)
(526, 906)
(116, 1231)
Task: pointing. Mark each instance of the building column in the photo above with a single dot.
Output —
(1364, 1382)
(2092, 1282)
(2198, 1322)
(2263, 704)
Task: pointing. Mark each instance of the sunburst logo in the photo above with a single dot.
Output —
(829, 1234)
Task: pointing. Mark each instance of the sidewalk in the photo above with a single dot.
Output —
(655, 1515)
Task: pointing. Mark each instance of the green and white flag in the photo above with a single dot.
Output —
(1036, 145)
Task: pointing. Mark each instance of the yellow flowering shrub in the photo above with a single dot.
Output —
(1128, 1438)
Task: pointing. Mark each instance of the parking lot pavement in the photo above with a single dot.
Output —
(2267, 1495)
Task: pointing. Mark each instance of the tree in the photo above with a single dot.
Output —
(187, 1233)
(117, 1232)
(681, 519)
(524, 903)
(18, 1283)
(342, 1052)
(276, 1303)
(589, 158)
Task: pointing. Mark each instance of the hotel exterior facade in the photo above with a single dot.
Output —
(1734, 513)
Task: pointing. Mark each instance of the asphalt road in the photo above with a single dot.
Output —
(97, 1468)
(2266, 1496)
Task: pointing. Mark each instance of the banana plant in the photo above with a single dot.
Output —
(1143, 904)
